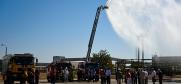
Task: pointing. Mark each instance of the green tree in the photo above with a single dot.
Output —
(103, 58)
(122, 65)
(136, 65)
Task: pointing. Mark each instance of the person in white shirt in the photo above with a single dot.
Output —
(142, 77)
(153, 75)
(146, 76)
(66, 74)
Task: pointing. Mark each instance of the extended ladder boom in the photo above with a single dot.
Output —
(99, 9)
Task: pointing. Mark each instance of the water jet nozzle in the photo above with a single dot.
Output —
(105, 7)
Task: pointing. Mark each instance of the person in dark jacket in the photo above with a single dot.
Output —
(103, 76)
(119, 76)
(37, 74)
(53, 74)
(138, 76)
(31, 77)
(160, 75)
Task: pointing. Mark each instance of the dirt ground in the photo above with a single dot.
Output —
(43, 76)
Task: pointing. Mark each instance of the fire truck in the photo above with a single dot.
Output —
(15, 66)
(84, 69)
(59, 68)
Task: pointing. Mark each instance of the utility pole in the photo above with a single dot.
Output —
(6, 52)
(6, 49)
(138, 50)
(142, 52)
(138, 54)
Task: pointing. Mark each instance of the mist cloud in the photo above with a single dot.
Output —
(157, 22)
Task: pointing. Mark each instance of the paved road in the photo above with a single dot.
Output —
(112, 82)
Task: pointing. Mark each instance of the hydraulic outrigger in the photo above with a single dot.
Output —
(99, 9)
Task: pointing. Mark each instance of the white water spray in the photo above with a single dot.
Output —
(156, 22)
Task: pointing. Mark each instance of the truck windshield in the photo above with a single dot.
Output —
(24, 60)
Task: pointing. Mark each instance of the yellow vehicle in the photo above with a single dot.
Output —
(16, 67)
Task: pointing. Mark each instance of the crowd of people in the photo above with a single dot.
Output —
(90, 74)
(130, 76)
(105, 75)
(53, 73)
(139, 76)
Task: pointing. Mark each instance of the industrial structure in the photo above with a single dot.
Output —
(168, 64)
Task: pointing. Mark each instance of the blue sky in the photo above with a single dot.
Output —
(50, 28)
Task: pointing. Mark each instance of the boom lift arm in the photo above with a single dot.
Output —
(99, 9)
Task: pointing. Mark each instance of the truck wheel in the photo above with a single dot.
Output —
(48, 78)
(11, 82)
(8, 82)
(5, 82)
(22, 82)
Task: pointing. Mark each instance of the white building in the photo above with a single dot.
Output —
(169, 64)
(58, 58)
(167, 59)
